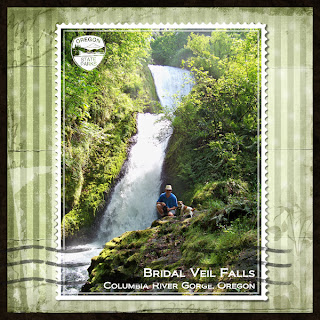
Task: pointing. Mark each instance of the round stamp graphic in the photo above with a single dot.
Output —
(88, 51)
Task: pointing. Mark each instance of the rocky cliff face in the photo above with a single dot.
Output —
(179, 245)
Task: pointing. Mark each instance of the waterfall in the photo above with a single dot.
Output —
(171, 84)
(132, 204)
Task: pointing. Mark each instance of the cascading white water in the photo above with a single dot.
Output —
(132, 204)
(171, 84)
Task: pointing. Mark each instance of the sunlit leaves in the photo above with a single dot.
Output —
(219, 119)
(99, 110)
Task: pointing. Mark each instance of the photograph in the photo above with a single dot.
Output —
(161, 162)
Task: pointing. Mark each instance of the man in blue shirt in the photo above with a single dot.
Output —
(167, 202)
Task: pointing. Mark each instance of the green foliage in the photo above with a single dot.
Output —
(181, 55)
(99, 114)
(212, 156)
(216, 126)
(168, 47)
(222, 191)
(208, 244)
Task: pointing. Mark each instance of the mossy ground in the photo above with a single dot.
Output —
(208, 240)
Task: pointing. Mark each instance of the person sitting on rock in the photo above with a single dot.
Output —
(167, 202)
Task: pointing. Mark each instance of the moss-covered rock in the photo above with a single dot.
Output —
(219, 190)
(172, 243)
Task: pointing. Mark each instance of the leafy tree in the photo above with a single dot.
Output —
(219, 119)
(168, 47)
(99, 110)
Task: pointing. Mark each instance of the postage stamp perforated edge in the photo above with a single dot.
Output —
(264, 171)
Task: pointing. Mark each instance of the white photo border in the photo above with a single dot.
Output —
(262, 248)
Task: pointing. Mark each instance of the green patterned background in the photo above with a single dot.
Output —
(31, 156)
